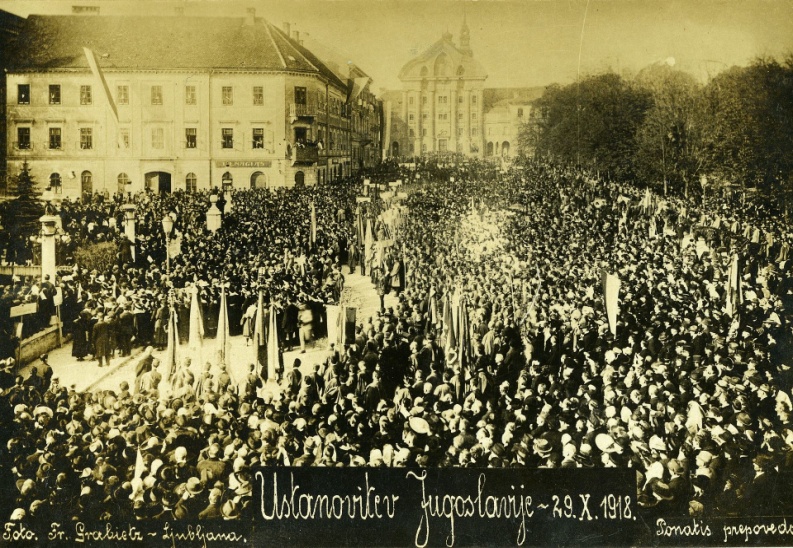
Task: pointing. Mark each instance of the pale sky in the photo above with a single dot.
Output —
(520, 42)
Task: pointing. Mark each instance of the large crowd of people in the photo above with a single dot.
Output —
(499, 352)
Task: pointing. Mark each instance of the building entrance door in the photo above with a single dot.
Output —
(158, 181)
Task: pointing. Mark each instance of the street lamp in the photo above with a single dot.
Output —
(167, 227)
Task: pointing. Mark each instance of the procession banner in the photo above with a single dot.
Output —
(611, 289)
(350, 314)
(333, 313)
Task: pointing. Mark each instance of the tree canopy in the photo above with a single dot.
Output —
(664, 128)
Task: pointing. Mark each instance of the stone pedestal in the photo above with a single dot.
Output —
(49, 230)
(213, 215)
(129, 226)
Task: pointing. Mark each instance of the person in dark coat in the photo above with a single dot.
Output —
(125, 331)
(101, 338)
(161, 326)
(81, 334)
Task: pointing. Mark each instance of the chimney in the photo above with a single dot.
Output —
(296, 36)
(287, 29)
(250, 17)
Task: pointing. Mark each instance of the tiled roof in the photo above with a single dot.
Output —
(156, 42)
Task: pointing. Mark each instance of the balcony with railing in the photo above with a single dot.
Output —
(307, 110)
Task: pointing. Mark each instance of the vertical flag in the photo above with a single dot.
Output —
(368, 243)
(173, 343)
(140, 467)
(734, 291)
(223, 341)
(258, 334)
(448, 324)
(97, 72)
(273, 355)
(313, 224)
(611, 289)
(195, 340)
(100, 77)
(463, 335)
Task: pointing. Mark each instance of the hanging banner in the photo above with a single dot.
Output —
(611, 289)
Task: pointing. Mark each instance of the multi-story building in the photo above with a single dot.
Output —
(506, 112)
(363, 109)
(440, 107)
(186, 103)
(444, 106)
(9, 27)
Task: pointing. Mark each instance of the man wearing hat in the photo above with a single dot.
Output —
(212, 510)
(100, 335)
(193, 499)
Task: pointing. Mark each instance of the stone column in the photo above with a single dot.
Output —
(129, 227)
(49, 230)
(213, 214)
(432, 130)
(453, 121)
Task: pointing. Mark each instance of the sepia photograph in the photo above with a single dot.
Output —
(396, 273)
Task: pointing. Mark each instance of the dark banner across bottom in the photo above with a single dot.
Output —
(425, 507)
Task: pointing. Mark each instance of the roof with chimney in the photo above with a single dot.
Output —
(48, 42)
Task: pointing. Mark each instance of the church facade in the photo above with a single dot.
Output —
(444, 107)
(440, 106)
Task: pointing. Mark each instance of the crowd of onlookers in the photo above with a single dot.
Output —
(499, 353)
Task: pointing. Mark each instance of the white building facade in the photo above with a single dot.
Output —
(259, 111)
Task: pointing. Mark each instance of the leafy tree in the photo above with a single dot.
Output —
(669, 142)
(21, 215)
(749, 137)
(591, 123)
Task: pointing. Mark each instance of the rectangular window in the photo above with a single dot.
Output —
(124, 137)
(473, 99)
(189, 95)
(190, 137)
(424, 116)
(258, 95)
(423, 132)
(122, 95)
(424, 100)
(443, 116)
(459, 115)
(443, 99)
(412, 148)
(157, 138)
(460, 99)
(55, 94)
(23, 94)
(228, 95)
(228, 137)
(55, 138)
(23, 138)
(474, 131)
(85, 95)
(410, 100)
(300, 96)
(86, 138)
(156, 95)
(411, 117)
(473, 116)
(258, 137)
